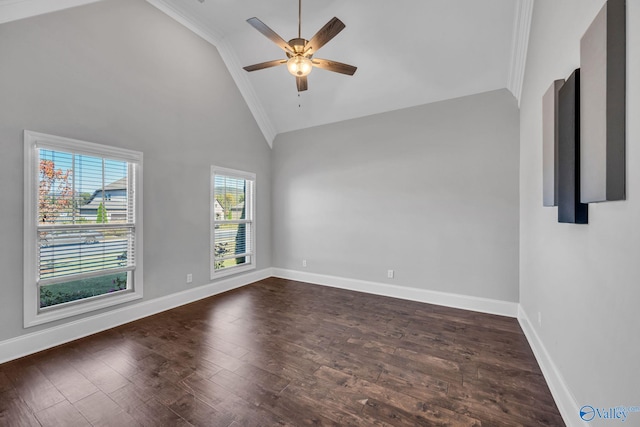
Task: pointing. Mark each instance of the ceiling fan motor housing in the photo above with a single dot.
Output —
(298, 46)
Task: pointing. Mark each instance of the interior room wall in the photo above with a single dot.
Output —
(430, 192)
(582, 279)
(122, 73)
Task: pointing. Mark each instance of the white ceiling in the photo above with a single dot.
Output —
(408, 52)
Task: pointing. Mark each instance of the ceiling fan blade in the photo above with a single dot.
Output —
(301, 83)
(263, 65)
(326, 33)
(336, 67)
(269, 33)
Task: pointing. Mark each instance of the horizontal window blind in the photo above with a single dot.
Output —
(233, 219)
(86, 216)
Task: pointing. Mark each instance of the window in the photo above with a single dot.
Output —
(232, 221)
(83, 228)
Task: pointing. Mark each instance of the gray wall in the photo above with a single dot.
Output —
(122, 73)
(429, 191)
(583, 279)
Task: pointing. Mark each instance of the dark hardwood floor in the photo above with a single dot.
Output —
(280, 352)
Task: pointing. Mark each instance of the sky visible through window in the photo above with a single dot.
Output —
(87, 170)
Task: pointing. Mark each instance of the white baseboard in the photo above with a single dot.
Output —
(50, 337)
(563, 397)
(483, 305)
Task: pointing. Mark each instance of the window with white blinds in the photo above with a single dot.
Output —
(81, 240)
(232, 221)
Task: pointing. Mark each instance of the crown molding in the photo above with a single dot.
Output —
(210, 35)
(232, 63)
(519, 45)
(12, 10)
(248, 93)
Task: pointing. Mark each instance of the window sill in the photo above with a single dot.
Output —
(53, 314)
(232, 270)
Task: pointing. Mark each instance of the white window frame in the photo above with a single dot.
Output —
(250, 222)
(33, 314)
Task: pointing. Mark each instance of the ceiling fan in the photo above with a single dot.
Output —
(300, 51)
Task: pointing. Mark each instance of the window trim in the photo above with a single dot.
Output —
(33, 315)
(247, 176)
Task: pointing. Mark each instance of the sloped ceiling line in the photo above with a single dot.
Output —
(521, 29)
(232, 63)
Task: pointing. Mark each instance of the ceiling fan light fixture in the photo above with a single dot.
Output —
(299, 66)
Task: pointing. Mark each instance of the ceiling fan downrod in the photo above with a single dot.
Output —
(299, 19)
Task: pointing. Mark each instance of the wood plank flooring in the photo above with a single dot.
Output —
(280, 352)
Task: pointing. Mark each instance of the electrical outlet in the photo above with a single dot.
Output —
(389, 274)
(304, 262)
(189, 278)
(539, 319)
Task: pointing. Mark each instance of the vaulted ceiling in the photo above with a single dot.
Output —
(408, 52)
